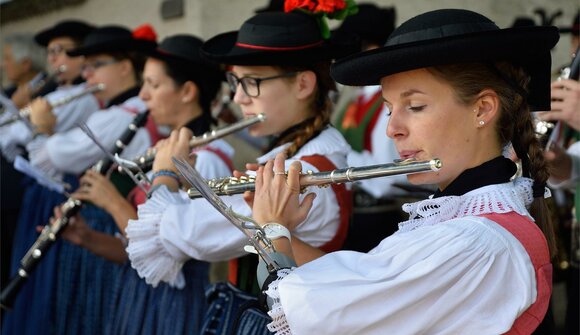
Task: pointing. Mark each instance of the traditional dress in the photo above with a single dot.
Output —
(84, 288)
(72, 297)
(469, 261)
(172, 229)
(33, 309)
(139, 308)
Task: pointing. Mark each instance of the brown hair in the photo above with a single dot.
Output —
(137, 61)
(514, 124)
(320, 106)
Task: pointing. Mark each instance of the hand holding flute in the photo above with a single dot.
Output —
(41, 116)
(176, 145)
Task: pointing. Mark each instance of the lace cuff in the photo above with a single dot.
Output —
(279, 324)
(149, 257)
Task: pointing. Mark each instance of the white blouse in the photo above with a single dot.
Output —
(447, 271)
(172, 229)
(67, 117)
(74, 152)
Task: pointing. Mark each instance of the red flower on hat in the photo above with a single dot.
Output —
(316, 6)
(322, 9)
(145, 32)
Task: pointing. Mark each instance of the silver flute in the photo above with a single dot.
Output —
(232, 185)
(146, 161)
(39, 85)
(24, 113)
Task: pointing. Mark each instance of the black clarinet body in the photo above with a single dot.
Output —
(69, 209)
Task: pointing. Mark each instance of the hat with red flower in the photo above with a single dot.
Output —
(117, 39)
(283, 38)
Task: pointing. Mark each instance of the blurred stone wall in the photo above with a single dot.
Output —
(207, 18)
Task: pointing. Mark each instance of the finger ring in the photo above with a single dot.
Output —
(279, 173)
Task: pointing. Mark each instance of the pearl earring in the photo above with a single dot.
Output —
(481, 123)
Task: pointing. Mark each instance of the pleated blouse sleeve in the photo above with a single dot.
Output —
(172, 229)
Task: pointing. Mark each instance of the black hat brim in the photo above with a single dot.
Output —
(223, 49)
(74, 29)
(529, 47)
(142, 46)
(203, 69)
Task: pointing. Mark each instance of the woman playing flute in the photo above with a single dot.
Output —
(178, 89)
(286, 77)
(474, 258)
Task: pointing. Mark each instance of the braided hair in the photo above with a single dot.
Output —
(320, 106)
(514, 125)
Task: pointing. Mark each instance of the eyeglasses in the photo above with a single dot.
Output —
(91, 67)
(58, 49)
(251, 85)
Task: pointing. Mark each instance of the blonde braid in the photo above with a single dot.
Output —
(320, 105)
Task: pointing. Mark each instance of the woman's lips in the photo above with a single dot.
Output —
(406, 154)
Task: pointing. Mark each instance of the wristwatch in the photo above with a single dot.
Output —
(275, 230)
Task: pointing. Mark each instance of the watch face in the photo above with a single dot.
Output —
(274, 231)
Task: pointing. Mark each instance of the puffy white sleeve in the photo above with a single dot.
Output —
(465, 276)
(74, 152)
(13, 136)
(172, 229)
(574, 152)
(67, 117)
(71, 114)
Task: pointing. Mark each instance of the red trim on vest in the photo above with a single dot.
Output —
(368, 144)
(137, 196)
(533, 240)
(150, 126)
(344, 198)
(220, 154)
(233, 271)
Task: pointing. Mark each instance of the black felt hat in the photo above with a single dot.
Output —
(277, 38)
(114, 39)
(69, 28)
(184, 52)
(370, 23)
(451, 36)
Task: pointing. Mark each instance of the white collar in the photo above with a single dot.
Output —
(327, 143)
(513, 196)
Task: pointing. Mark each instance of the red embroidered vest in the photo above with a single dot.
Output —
(533, 240)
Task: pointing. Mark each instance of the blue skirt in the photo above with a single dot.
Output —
(33, 310)
(140, 308)
(85, 282)
(233, 311)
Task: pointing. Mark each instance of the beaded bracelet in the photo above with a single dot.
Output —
(167, 173)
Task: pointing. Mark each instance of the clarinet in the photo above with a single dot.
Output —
(69, 209)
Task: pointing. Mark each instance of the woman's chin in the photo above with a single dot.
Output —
(422, 178)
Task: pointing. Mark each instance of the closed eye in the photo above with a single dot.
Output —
(417, 108)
